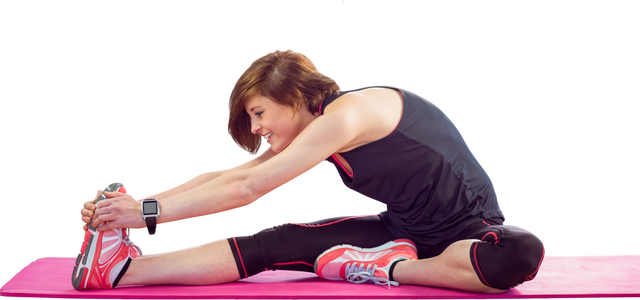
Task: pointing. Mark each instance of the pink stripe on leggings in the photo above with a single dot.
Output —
(240, 256)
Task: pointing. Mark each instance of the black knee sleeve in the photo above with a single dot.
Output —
(506, 257)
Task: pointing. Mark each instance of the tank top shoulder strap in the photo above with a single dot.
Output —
(328, 101)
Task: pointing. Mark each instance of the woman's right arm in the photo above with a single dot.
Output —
(89, 207)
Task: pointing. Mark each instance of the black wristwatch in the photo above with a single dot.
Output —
(150, 213)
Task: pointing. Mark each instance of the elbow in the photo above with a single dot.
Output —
(244, 191)
(255, 186)
(252, 188)
(244, 194)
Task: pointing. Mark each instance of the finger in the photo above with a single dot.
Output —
(98, 195)
(86, 212)
(106, 227)
(102, 211)
(100, 219)
(87, 204)
(85, 227)
(86, 215)
(86, 219)
(103, 203)
(114, 194)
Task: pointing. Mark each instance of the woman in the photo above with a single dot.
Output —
(443, 226)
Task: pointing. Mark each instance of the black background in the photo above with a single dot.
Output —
(144, 106)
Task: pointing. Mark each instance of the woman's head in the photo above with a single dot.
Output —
(286, 78)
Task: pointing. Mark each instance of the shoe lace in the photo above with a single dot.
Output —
(361, 274)
(126, 241)
(129, 241)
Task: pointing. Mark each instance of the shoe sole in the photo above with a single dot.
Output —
(387, 245)
(85, 260)
(80, 270)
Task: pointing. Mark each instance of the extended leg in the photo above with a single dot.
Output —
(451, 269)
(208, 264)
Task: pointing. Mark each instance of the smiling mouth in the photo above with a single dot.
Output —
(268, 135)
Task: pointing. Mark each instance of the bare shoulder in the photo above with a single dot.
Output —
(375, 111)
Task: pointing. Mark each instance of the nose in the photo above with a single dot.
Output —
(255, 127)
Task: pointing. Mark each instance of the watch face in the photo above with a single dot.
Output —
(149, 208)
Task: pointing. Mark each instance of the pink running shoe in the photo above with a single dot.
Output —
(104, 256)
(101, 256)
(359, 265)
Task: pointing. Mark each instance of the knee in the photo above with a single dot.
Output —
(522, 258)
(509, 261)
(530, 251)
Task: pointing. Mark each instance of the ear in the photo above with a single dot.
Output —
(296, 107)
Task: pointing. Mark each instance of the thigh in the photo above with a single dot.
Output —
(295, 246)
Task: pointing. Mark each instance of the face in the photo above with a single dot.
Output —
(279, 125)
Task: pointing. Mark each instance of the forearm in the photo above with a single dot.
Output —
(220, 194)
(206, 177)
(193, 183)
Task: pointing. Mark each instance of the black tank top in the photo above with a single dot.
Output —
(433, 186)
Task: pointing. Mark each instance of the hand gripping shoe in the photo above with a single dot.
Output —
(359, 265)
(104, 256)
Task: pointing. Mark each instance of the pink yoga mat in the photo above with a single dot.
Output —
(559, 277)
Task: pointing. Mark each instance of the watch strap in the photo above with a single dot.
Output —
(150, 214)
(151, 224)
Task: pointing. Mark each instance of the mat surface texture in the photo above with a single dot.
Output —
(559, 277)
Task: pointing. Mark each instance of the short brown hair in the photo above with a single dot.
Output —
(285, 77)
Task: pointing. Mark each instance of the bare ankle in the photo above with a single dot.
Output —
(398, 271)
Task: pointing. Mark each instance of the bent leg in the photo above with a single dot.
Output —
(204, 265)
(502, 258)
(451, 269)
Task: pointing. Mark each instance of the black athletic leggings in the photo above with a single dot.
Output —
(504, 257)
